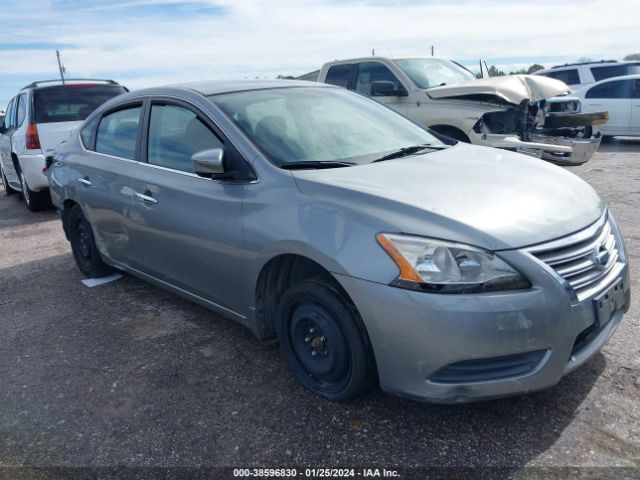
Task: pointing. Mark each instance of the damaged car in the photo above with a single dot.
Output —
(509, 112)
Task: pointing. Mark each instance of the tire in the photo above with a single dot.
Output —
(83, 245)
(452, 133)
(35, 201)
(7, 189)
(313, 316)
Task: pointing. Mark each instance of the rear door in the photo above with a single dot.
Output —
(634, 127)
(615, 97)
(104, 182)
(187, 229)
(5, 142)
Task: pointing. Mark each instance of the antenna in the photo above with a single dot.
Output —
(61, 67)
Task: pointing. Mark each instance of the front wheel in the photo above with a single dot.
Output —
(324, 341)
(83, 245)
(7, 189)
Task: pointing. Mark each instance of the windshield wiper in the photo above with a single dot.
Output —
(405, 151)
(300, 165)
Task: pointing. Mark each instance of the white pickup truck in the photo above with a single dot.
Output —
(505, 112)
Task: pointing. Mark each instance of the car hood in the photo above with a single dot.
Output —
(511, 88)
(481, 196)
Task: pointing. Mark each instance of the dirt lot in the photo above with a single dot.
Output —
(126, 374)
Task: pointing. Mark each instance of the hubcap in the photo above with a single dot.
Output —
(84, 244)
(319, 344)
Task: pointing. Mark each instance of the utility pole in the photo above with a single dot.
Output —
(62, 69)
(432, 50)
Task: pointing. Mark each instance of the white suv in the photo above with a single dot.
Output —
(578, 75)
(37, 119)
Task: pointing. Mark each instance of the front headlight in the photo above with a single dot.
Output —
(445, 267)
(569, 106)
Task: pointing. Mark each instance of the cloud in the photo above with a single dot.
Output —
(152, 42)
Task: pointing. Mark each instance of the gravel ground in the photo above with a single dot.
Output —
(126, 374)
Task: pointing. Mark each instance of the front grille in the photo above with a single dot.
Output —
(588, 260)
(487, 369)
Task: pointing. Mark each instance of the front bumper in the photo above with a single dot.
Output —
(32, 165)
(415, 335)
(560, 150)
(582, 149)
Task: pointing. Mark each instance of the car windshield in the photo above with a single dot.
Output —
(433, 72)
(70, 103)
(319, 124)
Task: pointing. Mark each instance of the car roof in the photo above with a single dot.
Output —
(597, 63)
(214, 87)
(373, 58)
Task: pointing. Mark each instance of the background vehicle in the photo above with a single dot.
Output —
(504, 112)
(578, 75)
(42, 115)
(367, 246)
(620, 96)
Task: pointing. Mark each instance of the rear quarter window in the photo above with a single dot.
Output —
(600, 73)
(570, 77)
(339, 75)
(70, 103)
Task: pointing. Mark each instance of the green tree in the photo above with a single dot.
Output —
(632, 56)
(495, 71)
(534, 68)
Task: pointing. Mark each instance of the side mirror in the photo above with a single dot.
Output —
(208, 162)
(387, 88)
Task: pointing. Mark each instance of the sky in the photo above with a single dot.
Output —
(155, 42)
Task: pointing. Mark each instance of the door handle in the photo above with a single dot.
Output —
(145, 198)
(86, 182)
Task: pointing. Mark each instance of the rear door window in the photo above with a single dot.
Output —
(613, 89)
(570, 76)
(118, 133)
(9, 115)
(70, 103)
(340, 75)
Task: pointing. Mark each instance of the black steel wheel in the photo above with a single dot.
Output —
(83, 245)
(324, 341)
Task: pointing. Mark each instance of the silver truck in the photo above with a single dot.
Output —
(505, 112)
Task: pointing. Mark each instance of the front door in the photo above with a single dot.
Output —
(614, 97)
(370, 72)
(187, 228)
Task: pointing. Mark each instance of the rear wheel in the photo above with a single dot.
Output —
(35, 200)
(324, 341)
(83, 245)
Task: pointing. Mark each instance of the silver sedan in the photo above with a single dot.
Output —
(371, 249)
